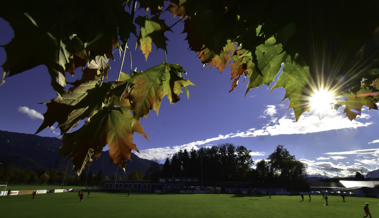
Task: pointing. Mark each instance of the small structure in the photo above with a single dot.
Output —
(177, 184)
(125, 185)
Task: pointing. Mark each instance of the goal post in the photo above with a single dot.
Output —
(1, 187)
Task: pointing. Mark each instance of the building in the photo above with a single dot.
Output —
(126, 185)
(177, 184)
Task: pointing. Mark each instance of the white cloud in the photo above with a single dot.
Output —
(322, 158)
(337, 157)
(368, 161)
(283, 126)
(30, 112)
(164, 152)
(270, 111)
(330, 169)
(257, 153)
(374, 141)
(311, 124)
(374, 152)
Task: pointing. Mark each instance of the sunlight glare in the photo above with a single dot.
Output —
(322, 101)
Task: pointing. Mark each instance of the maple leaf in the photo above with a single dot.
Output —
(78, 103)
(152, 30)
(209, 27)
(124, 77)
(269, 59)
(34, 34)
(242, 65)
(366, 96)
(294, 78)
(176, 8)
(110, 126)
(177, 83)
(74, 63)
(219, 60)
(53, 38)
(150, 86)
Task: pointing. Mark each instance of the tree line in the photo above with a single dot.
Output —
(216, 165)
(227, 163)
(11, 173)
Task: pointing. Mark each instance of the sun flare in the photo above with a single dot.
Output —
(322, 101)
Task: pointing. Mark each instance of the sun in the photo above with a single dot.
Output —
(322, 100)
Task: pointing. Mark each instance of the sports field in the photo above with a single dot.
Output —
(181, 205)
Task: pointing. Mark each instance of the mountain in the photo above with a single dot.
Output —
(36, 152)
(373, 174)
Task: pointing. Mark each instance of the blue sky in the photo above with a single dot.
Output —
(328, 144)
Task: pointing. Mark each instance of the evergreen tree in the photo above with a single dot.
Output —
(167, 172)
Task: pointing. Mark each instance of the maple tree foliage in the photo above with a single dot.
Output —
(310, 43)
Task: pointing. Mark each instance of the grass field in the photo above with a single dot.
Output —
(181, 205)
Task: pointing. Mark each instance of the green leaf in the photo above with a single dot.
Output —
(177, 83)
(219, 60)
(38, 42)
(124, 77)
(45, 35)
(152, 30)
(269, 58)
(78, 103)
(294, 79)
(150, 86)
(242, 65)
(366, 96)
(110, 126)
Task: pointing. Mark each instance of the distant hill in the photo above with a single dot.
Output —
(36, 152)
(373, 174)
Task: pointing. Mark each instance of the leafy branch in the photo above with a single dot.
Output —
(255, 39)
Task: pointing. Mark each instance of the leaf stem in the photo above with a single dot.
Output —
(165, 56)
(134, 4)
(122, 61)
(131, 61)
(177, 22)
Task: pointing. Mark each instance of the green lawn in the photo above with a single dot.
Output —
(180, 205)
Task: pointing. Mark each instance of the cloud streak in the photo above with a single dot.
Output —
(30, 112)
(286, 125)
(257, 154)
(374, 152)
(33, 114)
(374, 141)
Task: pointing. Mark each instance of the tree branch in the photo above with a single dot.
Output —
(134, 4)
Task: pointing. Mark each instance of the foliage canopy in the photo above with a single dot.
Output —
(313, 44)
